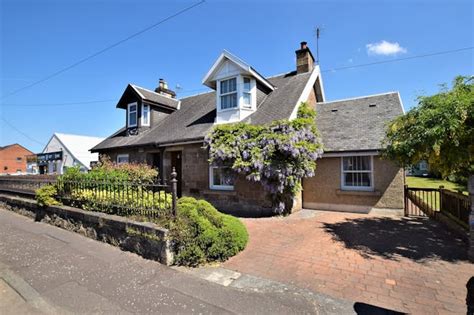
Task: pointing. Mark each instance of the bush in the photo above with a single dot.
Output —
(108, 171)
(109, 201)
(202, 234)
(45, 196)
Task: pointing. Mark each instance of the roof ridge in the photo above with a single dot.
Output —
(136, 86)
(202, 93)
(360, 97)
(73, 134)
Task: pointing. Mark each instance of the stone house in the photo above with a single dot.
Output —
(167, 132)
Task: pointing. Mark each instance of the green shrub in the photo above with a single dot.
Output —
(107, 200)
(45, 196)
(112, 172)
(201, 234)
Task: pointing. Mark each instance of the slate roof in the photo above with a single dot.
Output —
(197, 113)
(356, 124)
(154, 97)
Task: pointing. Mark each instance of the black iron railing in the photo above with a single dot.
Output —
(126, 198)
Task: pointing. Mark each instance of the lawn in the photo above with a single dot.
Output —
(423, 182)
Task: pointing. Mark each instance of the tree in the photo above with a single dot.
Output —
(440, 130)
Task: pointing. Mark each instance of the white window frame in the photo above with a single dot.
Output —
(358, 188)
(147, 122)
(236, 92)
(211, 180)
(249, 93)
(119, 156)
(136, 114)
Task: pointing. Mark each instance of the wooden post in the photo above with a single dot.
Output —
(441, 192)
(174, 190)
(405, 197)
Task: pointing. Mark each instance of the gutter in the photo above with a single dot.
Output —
(154, 144)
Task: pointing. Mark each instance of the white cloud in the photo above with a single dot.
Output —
(385, 48)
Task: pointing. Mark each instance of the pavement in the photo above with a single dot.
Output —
(411, 265)
(44, 269)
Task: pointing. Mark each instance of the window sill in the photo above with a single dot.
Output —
(220, 192)
(228, 109)
(358, 192)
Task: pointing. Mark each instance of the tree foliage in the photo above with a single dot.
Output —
(440, 130)
(278, 155)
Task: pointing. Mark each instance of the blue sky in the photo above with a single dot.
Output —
(41, 37)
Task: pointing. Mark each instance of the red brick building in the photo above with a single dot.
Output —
(13, 159)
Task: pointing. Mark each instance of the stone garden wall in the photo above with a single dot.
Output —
(143, 238)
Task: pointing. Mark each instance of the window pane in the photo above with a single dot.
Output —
(225, 101)
(233, 85)
(233, 98)
(146, 115)
(247, 84)
(216, 178)
(364, 163)
(224, 86)
(355, 179)
(229, 101)
(227, 178)
(247, 99)
(356, 163)
(133, 108)
(228, 86)
(348, 179)
(365, 179)
(132, 118)
(348, 163)
(222, 176)
(122, 159)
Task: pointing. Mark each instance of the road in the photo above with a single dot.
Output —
(44, 269)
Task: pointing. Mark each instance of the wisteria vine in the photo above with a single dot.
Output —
(278, 155)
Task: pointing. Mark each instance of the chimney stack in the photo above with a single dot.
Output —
(163, 89)
(304, 59)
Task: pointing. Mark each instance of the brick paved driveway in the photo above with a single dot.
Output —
(409, 265)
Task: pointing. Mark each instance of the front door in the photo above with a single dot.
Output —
(156, 163)
(176, 157)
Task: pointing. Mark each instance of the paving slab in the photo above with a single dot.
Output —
(402, 264)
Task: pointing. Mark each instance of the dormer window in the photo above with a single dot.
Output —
(132, 114)
(228, 93)
(236, 84)
(145, 115)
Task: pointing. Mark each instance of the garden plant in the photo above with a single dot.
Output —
(279, 155)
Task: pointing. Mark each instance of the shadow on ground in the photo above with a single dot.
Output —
(368, 309)
(418, 239)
